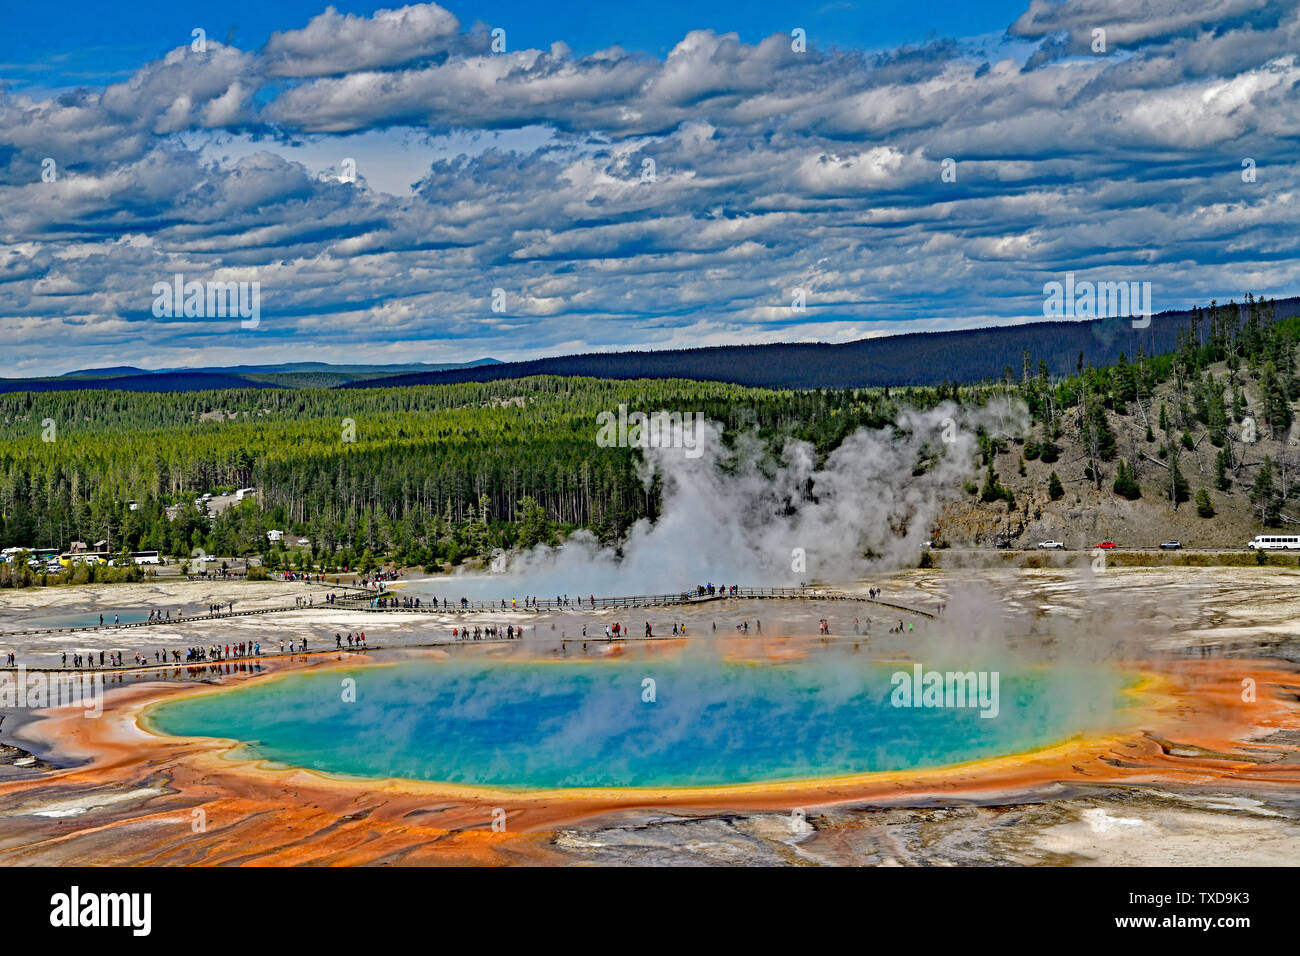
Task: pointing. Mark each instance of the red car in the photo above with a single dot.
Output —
(1106, 544)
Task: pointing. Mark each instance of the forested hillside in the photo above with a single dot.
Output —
(1199, 445)
(430, 475)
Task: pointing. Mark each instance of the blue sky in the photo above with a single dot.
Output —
(627, 175)
(75, 42)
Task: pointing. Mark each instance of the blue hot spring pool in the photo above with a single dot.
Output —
(531, 724)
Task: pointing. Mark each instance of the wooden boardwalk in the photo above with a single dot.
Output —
(364, 602)
(678, 599)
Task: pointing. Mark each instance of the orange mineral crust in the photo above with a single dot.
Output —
(143, 798)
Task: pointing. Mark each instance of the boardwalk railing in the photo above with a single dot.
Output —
(367, 602)
(188, 619)
(807, 593)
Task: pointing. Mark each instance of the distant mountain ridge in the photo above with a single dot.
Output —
(104, 372)
(910, 358)
(284, 375)
(121, 370)
(195, 381)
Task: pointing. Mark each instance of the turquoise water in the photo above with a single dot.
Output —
(79, 620)
(585, 724)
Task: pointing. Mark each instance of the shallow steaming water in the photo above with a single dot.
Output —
(567, 724)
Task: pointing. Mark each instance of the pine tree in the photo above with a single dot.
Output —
(1277, 409)
(1176, 490)
(1204, 504)
(1263, 495)
(1055, 491)
(1126, 485)
(1221, 479)
(1125, 387)
(994, 490)
(534, 527)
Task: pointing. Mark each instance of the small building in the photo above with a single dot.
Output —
(274, 536)
(77, 547)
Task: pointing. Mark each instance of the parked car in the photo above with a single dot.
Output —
(1106, 545)
(1052, 545)
(1170, 545)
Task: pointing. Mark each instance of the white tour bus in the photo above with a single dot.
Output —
(1275, 542)
(146, 557)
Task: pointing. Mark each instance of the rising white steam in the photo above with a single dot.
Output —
(744, 516)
